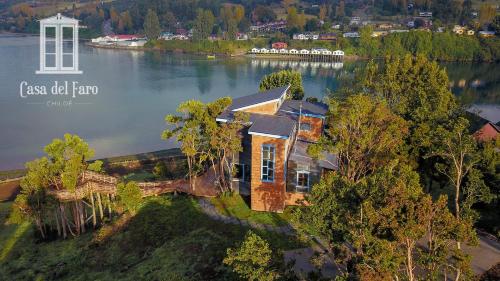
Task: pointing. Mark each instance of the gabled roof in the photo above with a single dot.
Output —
(311, 109)
(258, 98)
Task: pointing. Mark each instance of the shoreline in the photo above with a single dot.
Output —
(16, 174)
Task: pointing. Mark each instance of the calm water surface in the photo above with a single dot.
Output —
(137, 89)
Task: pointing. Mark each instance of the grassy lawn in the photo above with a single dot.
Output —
(140, 176)
(168, 239)
(235, 206)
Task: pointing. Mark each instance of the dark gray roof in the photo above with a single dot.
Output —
(259, 97)
(299, 154)
(271, 125)
(308, 108)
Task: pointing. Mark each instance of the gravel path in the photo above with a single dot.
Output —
(209, 209)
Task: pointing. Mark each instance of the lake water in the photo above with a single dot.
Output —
(137, 89)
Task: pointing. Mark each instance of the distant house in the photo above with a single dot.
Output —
(181, 31)
(457, 29)
(269, 27)
(180, 37)
(487, 34)
(425, 14)
(470, 32)
(385, 26)
(351, 35)
(241, 36)
(279, 45)
(355, 21)
(274, 51)
(379, 33)
(336, 26)
(488, 132)
(410, 24)
(328, 36)
(273, 166)
(305, 36)
(398, 30)
(264, 51)
(166, 35)
(283, 51)
(304, 52)
(338, 53)
(255, 51)
(125, 37)
(315, 51)
(293, 51)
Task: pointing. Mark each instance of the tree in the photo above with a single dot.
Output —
(130, 196)
(125, 22)
(203, 140)
(253, 259)
(61, 169)
(368, 44)
(204, 24)
(152, 27)
(486, 13)
(364, 134)
(323, 11)
(263, 14)
(170, 21)
(459, 151)
(283, 78)
(294, 19)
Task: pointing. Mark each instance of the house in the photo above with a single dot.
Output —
(328, 36)
(457, 29)
(269, 27)
(274, 167)
(166, 35)
(255, 50)
(279, 45)
(293, 51)
(241, 36)
(425, 14)
(315, 52)
(264, 51)
(274, 51)
(487, 34)
(385, 26)
(488, 132)
(335, 26)
(355, 21)
(410, 24)
(304, 52)
(283, 51)
(351, 35)
(305, 36)
(379, 33)
(470, 32)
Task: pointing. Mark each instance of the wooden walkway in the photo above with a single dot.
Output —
(105, 184)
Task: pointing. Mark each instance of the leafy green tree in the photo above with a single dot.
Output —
(459, 151)
(294, 19)
(253, 260)
(203, 24)
(283, 78)
(364, 133)
(369, 45)
(203, 139)
(130, 196)
(152, 27)
(61, 169)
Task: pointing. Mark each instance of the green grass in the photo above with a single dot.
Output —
(168, 239)
(235, 206)
(139, 176)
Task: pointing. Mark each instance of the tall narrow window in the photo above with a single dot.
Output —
(268, 154)
(302, 178)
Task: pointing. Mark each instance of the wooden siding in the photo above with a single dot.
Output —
(268, 108)
(268, 196)
(316, 128)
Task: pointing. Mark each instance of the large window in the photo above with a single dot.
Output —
(268, 154)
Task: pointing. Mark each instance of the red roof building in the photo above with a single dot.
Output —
(279, 45)
(488, 132)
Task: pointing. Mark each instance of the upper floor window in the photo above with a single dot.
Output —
(268, 156)
(305, 126)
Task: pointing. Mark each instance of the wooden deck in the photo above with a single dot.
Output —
(95, 182)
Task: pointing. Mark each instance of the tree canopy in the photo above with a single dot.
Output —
(283, 78)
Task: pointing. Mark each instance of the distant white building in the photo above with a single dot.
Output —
(305, 36)
(304, 52)
(255, 50)
(351, 35)
(274, 51)
(283, 51)
(293, 51)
